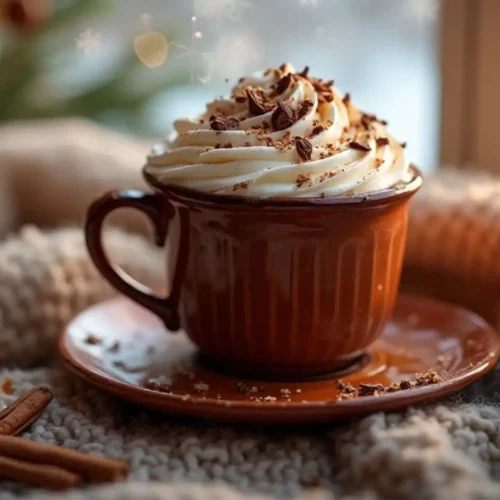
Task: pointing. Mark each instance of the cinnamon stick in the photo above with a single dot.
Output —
(24, 411)
(90, 467)
(43, 476)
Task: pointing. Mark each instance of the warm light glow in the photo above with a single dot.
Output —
(151, 48)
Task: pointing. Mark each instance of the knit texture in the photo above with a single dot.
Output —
(450, 450)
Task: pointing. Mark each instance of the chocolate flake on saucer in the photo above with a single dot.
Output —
(200, 386)
(370, 390)
(348, 391)
(428, 378)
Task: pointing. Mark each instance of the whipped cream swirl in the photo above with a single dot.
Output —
(281, 134)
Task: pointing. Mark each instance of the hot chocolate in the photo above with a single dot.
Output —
(286, 211)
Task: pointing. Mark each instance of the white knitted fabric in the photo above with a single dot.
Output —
(444, 451)
(451, 450)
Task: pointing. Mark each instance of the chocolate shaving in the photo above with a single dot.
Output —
(359, 145)
(347, 98)
(403, 145)
(305, 72)
(323, 89)
(224, 123)
(304, 108)
(382, 141)
(256, 103)
(428, 378)
(317, 130)
(304, 148)
(325, 97)
(283, 116)
(366, 122)
(283, 83)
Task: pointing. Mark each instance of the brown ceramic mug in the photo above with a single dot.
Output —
(270, 286)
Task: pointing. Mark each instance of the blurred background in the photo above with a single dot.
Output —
(427, 66)
(135, 65)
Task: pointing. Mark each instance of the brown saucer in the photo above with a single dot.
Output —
(120, 347)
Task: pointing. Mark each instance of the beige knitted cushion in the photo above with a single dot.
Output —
(453, 249)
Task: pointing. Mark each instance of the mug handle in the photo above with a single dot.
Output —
(153, 206)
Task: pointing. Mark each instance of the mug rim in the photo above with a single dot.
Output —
(389, 194)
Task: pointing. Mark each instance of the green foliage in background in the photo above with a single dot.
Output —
(31, 62)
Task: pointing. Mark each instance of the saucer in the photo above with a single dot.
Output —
(123, 349)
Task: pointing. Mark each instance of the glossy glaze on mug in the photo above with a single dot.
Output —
(281, 287)
(285, 291)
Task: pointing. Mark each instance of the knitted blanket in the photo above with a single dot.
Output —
(445, 450)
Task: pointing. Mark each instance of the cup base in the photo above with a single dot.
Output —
(346, 366)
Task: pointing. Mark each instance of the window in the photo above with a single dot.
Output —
(470, 130)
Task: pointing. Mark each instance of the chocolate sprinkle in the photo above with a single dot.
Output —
(256, 103)
(382, 141)
(283, 83)
(359, 145)
(283, 116)
(304, 148)
(93, 340)
(224, 123)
